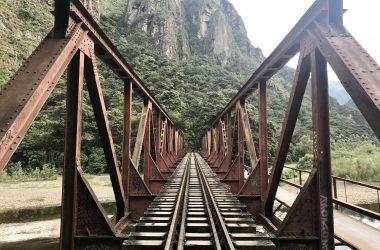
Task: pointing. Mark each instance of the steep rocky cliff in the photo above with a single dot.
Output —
(93, 6)
(182, 28)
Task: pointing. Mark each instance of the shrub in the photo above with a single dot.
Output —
(47, 172)
(15, 170)
(306, 162)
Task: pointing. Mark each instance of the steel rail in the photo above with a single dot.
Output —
(181, 237)
(177, 210)
(209, 213)
(218, 216)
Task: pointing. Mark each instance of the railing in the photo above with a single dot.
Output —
(356, 208)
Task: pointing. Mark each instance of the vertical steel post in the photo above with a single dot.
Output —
(240, 133)
(335, 189)
(127, 140)
(158, 132)
(61, 17)
(229, 138)
(147, 145)
(263, 140)
(321, 146)
(336, 13)
(72, 150)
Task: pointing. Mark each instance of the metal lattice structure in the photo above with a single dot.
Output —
(320, 38)
(76, 43)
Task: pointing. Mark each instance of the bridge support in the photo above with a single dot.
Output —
(76, 42)
(320, 37)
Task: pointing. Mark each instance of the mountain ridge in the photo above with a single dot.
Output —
(192, 90)
(182, 28)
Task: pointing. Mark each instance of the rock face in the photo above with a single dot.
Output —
(181, 28)
(163, 20)
(93, 6)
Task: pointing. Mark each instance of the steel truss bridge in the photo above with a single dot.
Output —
(199, 200)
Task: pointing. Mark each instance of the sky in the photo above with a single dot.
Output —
(268, 21)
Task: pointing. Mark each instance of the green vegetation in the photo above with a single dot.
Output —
(15, 172)
(359, 161)
(193, 91)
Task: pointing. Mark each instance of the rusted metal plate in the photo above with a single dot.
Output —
(355, 68)
(298, 90)
(24, 95)
(100, 112)
(73, 125)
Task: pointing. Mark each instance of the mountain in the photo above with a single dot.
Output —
(193, 55)
(184, 28)
(337, 90)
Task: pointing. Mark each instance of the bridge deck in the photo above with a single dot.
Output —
(196, 211)
(353, 232)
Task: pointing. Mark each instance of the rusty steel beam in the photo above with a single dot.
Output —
(127, 129)
(104, 129)
(288, 47)
(240, 139)
(298, 90)
(76, 40)
(72, 150)
(23, 96)
(336, 13)
(141, 133)
(247, 134)
(263, 140)
(355, 68)
(61, 18)
(147, 147)
(321, 146)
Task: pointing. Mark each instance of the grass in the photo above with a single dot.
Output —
(29, 181)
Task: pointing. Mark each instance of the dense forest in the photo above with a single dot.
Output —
(193, 83)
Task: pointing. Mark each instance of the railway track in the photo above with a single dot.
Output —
(196, 211)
